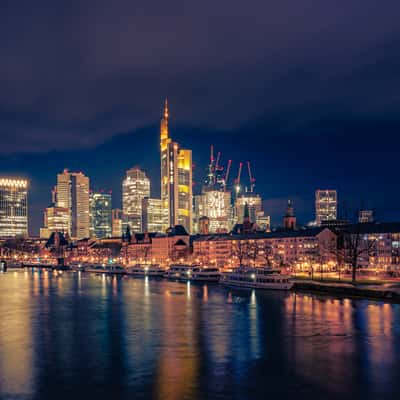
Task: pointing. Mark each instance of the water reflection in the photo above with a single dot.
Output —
(112, 337)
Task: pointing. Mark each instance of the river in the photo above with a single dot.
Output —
(85, 336)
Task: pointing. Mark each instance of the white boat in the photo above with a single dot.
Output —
(257, 278)
(105, 269)
(186, 272)
(152, 270)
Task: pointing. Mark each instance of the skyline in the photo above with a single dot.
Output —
(274, 206)
(313, 86)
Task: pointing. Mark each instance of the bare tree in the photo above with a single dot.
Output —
(353, 244)
(240, 250)
(265, 250)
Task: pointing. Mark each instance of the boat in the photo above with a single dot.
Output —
(186, 272)
(152, 270)
(257, 278)
(104, 269)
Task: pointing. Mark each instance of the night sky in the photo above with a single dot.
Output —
(308, 91)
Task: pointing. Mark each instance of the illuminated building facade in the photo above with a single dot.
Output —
(56, 219)
(13, 207)
(216, 205)
(72, 192)
(254, 203)
(325, 205)
(365, 216)
(135, 187)
(100, 215)
(116, 218)
(154, 215)
(176, 178)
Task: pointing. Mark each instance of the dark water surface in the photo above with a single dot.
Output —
(85, 336)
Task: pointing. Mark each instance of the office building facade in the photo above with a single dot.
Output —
(325, 205)
(100, 215)
(13, 207)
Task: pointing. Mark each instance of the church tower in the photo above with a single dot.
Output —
(289, 219)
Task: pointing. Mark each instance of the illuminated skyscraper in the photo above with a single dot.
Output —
(13, 207)
(154, 215)
(56, 219)
(254, 204)
(325, 205)
(100, 215)
(116, 222)
(216, 206)
(135, 187)
(72, 192)
(176, 178)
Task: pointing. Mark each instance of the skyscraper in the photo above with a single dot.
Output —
(154, 215)
(254, 204)
(100, 215)
(13, 207)
(325, 205)
(56, 219)
(116, 222)
(176, 178)
(72, 192)
(135, 187)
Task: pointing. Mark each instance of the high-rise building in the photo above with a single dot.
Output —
(365, 216)
(72, 192)
(116, 216)
(135, 187)
(216, 205)
(154, 215)
(254, 204)
(56, 219)
(13, 207)
(176, 178)
(325, 205)
(100, 215)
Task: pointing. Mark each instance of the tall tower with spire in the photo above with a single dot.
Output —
(176, 177)
(289, 219)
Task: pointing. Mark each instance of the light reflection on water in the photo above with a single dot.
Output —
(79, 335)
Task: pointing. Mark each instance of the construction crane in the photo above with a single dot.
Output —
(252, 180)
(228, 168)
(237, 180)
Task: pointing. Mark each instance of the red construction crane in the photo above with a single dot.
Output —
(228, 168)
(252, 180)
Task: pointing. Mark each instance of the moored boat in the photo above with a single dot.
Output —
(257, 278)
(152, 270)
(186, 272)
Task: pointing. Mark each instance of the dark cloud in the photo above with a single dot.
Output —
(73, 74)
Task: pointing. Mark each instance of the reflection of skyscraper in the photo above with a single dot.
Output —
(72, 192)
(176, 178)
(325, 205)
(100, 215)
(13, 207)
(135, 187)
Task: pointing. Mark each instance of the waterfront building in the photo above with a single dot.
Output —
(254, 203)
(281, 248)
(289, 219)
(154, 215)
(116, 218)
(162, 248)
(176, 178)
(100, 215)
(56, 219)
(135, 187)
(72, 192)
(325, 205)
(13, 207)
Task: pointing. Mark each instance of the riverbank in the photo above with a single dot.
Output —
(376, 292)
